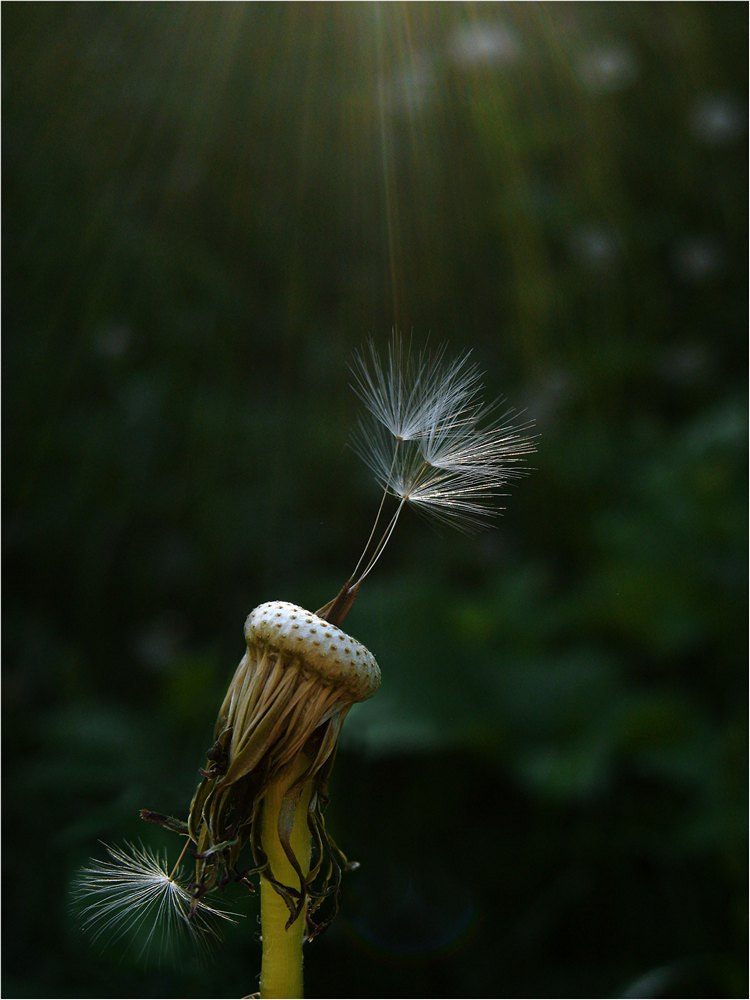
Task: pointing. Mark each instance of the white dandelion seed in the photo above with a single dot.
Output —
(483, 446)
(409, 394)
(431, 442)
(137, 895)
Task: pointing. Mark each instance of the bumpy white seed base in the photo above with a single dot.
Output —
(323, 648)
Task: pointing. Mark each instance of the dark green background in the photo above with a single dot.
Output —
(207, 209)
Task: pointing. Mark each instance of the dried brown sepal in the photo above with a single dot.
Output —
(168, 822)
(335, 611)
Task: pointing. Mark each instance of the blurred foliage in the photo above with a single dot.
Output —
(208, 207)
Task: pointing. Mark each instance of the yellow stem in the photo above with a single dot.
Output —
(281, 969)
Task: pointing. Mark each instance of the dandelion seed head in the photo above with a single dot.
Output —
(136, 896)
(298, 637)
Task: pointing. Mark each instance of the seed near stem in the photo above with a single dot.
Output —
(281, 969)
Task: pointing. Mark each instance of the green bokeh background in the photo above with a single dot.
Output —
(207, 209)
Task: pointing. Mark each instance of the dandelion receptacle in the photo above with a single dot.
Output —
(258, 812)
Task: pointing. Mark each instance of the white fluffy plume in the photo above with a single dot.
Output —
(134, 895)
(429, 438)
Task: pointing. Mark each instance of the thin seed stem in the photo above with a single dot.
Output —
(384, 539)
(177, 863)
(377, 518)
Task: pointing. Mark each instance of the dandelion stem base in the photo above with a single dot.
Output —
(281, 969)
